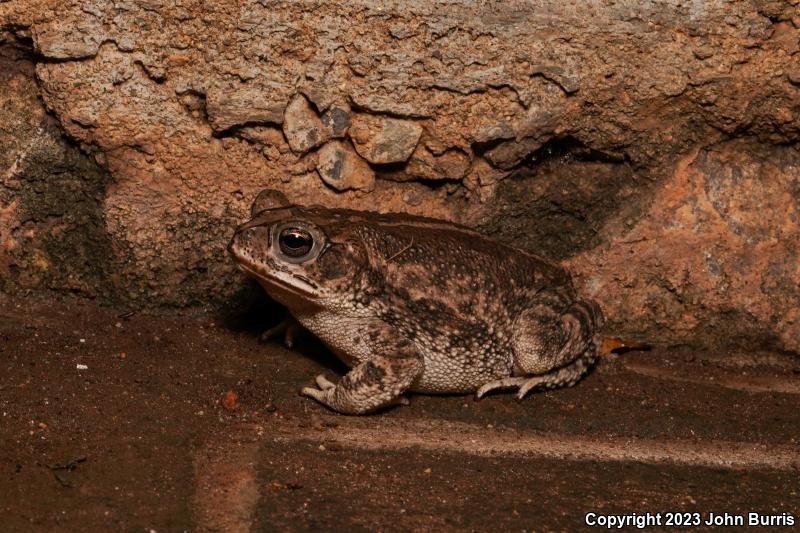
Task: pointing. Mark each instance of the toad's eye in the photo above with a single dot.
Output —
(295, 242)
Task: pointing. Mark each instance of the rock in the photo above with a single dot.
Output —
(382, 140)
(51, 195)
(377, 103)
(714, 258)
(423, 164)
(509, 154)
(268, 199)
(481, 174)
(540, 122)
(302, 126)
(229, 400)
(243, 104)
(493, 132)
(337, 121)
(80, 42)
(703, 52)
(342, 168)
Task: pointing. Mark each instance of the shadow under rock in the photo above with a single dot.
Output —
(251, 311)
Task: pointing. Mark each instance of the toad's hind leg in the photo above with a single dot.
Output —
(552, 349)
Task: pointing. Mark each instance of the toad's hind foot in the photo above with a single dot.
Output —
(505, 383)
(566, 376)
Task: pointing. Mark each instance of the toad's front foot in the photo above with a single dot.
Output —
(324, 385)
(369, 386)
(288, 328)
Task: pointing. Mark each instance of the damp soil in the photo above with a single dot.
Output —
(119, 420)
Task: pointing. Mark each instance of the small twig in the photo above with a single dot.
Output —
(71, 465)
(409, 245)
(63, 482)
(634, 241)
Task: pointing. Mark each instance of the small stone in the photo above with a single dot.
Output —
(79, 366)
(451, 165)
(268, 199)
(337, 121)
(382, 140)
(402, 31)
(154, 71)
(508, 155)
(493, 132)
(302, 126)
(342, 168)
(243, 104)
(271, 153)
(423, 164)
(229, 400)
(793, 76)
(703, 52)
(412, 198)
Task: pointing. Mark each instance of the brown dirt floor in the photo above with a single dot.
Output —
(149, 438)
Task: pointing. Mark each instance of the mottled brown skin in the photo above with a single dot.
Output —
(415, 304)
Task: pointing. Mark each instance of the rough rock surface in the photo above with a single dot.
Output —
(557, 128)
(719, 246)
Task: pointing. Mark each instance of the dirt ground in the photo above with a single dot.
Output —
(114, 420)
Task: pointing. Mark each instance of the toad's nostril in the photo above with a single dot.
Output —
(255, 232)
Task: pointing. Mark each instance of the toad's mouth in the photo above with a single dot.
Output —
(279, 280)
